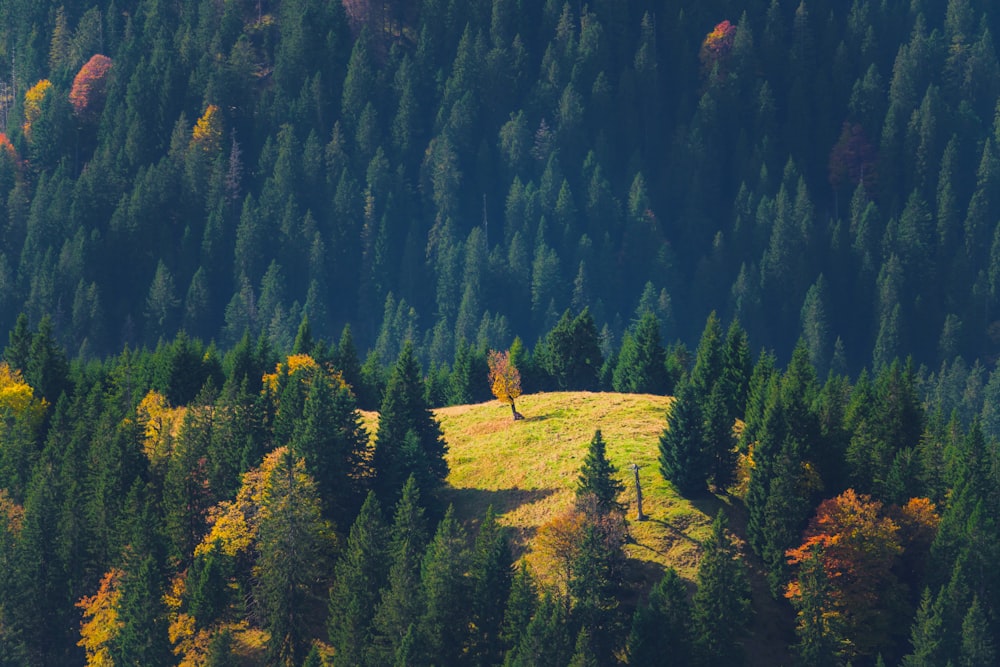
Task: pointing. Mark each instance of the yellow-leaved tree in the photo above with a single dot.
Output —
(101, 624)
(505, 379)
(17, 398)
(207, 132)
(33, 104)
(160, 423)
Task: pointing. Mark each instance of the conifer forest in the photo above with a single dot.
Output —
(247, 247)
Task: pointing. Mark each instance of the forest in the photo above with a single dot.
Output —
(231, 228)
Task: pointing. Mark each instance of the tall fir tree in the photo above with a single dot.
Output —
(409, 439)
(722, 601)
(683, 461)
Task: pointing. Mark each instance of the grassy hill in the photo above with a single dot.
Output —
(528, 469)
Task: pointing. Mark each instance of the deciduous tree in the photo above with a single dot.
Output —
(505, 379)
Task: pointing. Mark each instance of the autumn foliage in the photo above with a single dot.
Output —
(717, 45)
(90, 87)
(859, 546)
(101, 624)
(853, 158)
(505, 379)
(207, 132)
(17, 398)
(6, 147)
(33, 104)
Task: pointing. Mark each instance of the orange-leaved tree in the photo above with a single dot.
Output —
(101, 625)
(858, 546)
(90, 88)
(505, 379)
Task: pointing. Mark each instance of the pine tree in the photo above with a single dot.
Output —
(401, 601)
(409, 439)
(925, 635)
(682, 458)
(491, 574)
(546, 639)
(641, 363)
(333, 442)
(521, 605)
(818, 627)
(978, 649)
(358, 577)
(722, 601)
(442, 627)
(598, 478)
(295, 544)
(662, 625)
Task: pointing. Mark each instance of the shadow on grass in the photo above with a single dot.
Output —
(471, 504)
(535, 418)
(674, 530)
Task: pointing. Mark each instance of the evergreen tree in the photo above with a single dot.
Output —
(682, 457)
(722, 601)
(442, 627)
(333, 442)
(521, 606)
(401, 601)
(925, 635)
(546, 639)
(641, 367)
(597, 478)
(978, 649)
(491, 575)
(573, 353)
(818, 627)
(409, 439)
(295, 544)
(358, 577)
(662, 625)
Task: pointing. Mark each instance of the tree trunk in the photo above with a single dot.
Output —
(517, 415)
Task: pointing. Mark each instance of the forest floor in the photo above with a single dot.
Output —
(527, 470)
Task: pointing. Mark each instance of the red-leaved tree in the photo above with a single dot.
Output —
(717, 46)
(90, 87)
(858, 546)
(853, 158)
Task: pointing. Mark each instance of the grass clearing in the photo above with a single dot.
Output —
(528, 469)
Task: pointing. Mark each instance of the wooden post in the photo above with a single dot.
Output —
(638, 493)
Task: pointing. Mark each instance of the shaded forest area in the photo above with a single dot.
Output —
(199, 197)
(465, 172)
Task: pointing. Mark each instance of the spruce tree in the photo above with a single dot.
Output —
(722, 601)
(546, 639)
(521, 605)
(409, 439)
(598, 478)
(491, 575)
(818, 626)
(333, 442)
(442, 626)
(662, 625)
(358, 577)
(682, 457)
(925, 635)
(641, 367)
(978, 648)
(401, 601)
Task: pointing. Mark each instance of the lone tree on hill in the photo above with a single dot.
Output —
(505, 379)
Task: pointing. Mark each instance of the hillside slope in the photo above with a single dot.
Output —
(528, 469)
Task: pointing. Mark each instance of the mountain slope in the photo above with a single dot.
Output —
(528, 470)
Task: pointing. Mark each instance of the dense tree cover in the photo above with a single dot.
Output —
(806, 167)
(267, 174)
